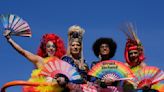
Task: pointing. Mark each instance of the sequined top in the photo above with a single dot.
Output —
(83, 73)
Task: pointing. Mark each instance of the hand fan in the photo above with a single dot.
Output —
(112, 69)
(16, 25)
(136, 68)
(148, 75)
(56, 66)
(158, 86)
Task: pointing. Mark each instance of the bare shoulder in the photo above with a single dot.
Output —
(126, 64)
(39, 61)
(143, 64)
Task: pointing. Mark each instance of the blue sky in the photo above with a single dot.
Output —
(100, 18)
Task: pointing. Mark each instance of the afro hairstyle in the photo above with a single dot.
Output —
(112, 46)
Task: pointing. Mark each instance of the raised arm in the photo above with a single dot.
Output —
(35, 59)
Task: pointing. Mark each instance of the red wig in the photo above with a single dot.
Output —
(133, 45)
(60, 48)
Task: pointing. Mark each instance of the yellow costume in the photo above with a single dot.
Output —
(36, 77)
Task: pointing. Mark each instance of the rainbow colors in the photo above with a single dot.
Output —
(16, 25)
(148, 75)
(113, 67)
(55, 66)
(159, 87)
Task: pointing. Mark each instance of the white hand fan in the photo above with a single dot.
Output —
(16, 25)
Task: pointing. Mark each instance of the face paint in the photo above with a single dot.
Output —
(50, 48)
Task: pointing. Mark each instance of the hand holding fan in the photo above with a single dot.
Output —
(16, 25)
(112, 69)
(56, 66)
(148, 76)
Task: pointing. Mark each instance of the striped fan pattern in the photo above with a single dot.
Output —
(56, 66)
(148, 75)
(158, 86)
(112, 69)
(16, 25)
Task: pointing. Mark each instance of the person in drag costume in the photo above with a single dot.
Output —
(51, 46)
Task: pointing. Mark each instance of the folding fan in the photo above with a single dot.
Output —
(148, 75)
(56, 66)
(16, 25)
(136, 68)
(112, 69)
(158, 86)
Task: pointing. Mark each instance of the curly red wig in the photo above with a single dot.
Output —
(133, 45)
(60, 48)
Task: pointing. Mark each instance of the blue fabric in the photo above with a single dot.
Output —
(68, 59)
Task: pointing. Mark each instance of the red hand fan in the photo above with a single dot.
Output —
(148, 75)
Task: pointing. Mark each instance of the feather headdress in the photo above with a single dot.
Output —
(133, 43)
